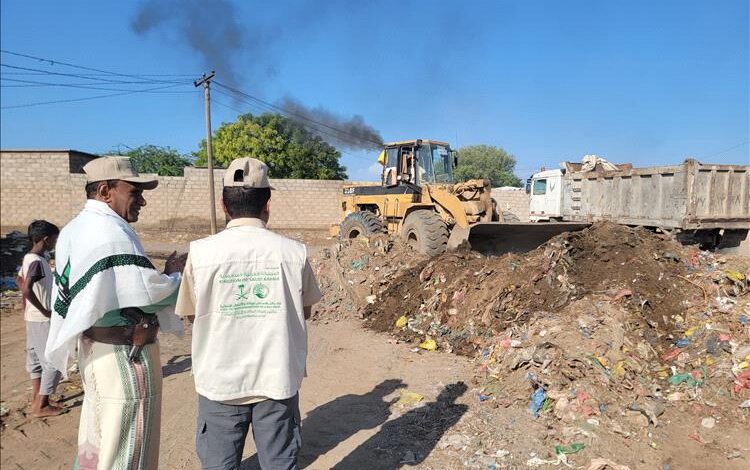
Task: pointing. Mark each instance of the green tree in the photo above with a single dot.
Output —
(289, 150)
(164, 161)
(487, 161)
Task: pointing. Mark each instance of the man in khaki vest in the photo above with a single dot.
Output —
(249, 292)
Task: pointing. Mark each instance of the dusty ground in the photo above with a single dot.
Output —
(474, 408)
(354, 381)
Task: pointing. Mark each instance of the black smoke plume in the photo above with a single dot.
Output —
(211, 29)
(208, 28)
(351, 133)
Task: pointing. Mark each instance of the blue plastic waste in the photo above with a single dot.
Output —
(537, 401)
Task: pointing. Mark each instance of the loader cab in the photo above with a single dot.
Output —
(418, 162)
(545, 196)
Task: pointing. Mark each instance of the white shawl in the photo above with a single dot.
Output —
(100, 266)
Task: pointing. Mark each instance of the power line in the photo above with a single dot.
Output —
(33, 83)
(62, 74)
(105, 74)
(727, 150)
(26, 80)
(342, 135)
(68, 64)
(40, 103)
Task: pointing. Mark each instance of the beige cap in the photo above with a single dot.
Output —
(247, 173)
(116, 168)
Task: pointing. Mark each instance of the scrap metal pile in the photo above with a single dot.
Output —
(607, 336)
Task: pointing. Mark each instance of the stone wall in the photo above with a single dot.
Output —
(37, 185)
(49, 185)
(513, 200)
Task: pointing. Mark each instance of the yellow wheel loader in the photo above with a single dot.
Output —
(418, 200)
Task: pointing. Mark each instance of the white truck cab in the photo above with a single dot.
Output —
(545, 196)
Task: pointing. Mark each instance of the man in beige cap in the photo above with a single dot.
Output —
(110, 301)
(249, 292)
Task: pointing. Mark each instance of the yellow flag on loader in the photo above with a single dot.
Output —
(381, 158)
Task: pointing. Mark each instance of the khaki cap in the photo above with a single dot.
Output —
(116, 168)
(247, 173)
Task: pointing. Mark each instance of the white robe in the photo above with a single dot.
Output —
(100, 266)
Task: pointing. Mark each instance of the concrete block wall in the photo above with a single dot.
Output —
(34, 185)
(49, 185)
(513, 200)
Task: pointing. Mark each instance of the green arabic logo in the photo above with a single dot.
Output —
(260, 291)
(242, 295)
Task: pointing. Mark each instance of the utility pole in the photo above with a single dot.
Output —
(206, 82)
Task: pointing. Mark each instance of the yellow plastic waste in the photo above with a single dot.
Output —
(710, 361)
(409, 398)
(428, 344)
(619, 369)
(603, 361)
(691, 331)
(735, 276)
(401, 322)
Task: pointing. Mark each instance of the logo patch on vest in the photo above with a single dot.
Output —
(255, 294)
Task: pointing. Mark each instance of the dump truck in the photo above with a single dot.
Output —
(702, 203)
(418, 200)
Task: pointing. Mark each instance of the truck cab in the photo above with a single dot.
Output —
(545, 196)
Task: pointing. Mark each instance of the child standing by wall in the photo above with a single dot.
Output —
(37, 283)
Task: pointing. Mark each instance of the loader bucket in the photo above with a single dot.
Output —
(496, 238)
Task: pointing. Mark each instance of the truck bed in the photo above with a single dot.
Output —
(690, 196)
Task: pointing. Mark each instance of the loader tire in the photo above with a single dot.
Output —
(426, 232)
(361, 223)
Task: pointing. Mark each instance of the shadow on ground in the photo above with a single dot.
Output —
(409, 439)
(177, 365)
(406, 440)
(328, 425)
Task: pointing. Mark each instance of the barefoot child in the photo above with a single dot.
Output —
(37, 289)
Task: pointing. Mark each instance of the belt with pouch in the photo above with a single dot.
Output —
(137, 335)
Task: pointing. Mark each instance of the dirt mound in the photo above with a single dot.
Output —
(469, 295)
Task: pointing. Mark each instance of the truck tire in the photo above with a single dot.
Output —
(426, 232)
(361, 223)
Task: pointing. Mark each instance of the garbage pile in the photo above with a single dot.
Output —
(603, 335)
(12, 248)
(353, 273)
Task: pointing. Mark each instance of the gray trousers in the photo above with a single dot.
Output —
(222, 430)
(36, 365)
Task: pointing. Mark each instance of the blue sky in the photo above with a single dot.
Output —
(635, 81)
